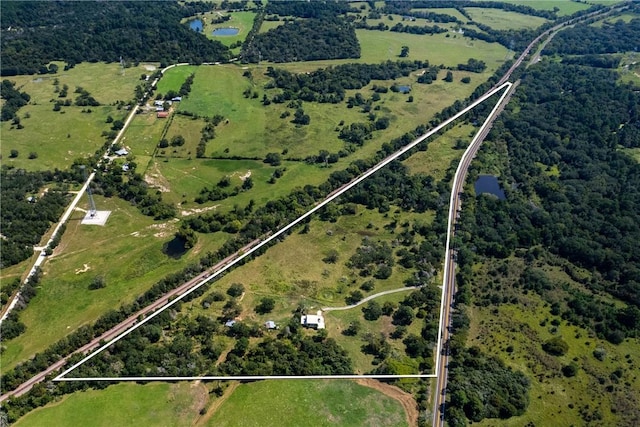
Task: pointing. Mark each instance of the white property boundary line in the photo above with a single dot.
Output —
(275, 235)
(456, 177)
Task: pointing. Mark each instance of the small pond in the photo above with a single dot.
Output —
(489, 184)
(196, 25)
(226, 31)
(404, 89)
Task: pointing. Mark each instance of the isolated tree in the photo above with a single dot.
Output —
(14, 153)
(188, 237)
(449, 77)
(372, 311)
(98, 282)
(404, 52)
(235, 290)
(266, 305)
(332, 256)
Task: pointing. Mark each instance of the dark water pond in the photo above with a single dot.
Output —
(226, 32)
(489, 184)
(196, 25)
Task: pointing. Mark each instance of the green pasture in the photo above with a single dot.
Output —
(143, 134)
(378, 46)
(270, 25)
(441, 152)
(444, 11)
(57, 137)
(564, 7)
(504, 20)
(105, 82)
(127, 251)
(124, 404)
(516, 332)
(173, 78)
(293, 273)
(185, 178)
(624, 17)
(187, 127)
(300, 402)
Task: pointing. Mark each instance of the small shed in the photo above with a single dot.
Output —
(163, 114)
(230, 323)
(270, 324)
(177, 99)
(122, 152)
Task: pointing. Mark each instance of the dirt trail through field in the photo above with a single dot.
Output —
(405, 399)
(203, 420)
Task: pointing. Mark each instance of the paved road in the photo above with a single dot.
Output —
(449, 269)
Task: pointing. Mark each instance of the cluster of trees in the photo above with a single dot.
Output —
(473, 65)
(131, 186)
(598, 61)
(137, 31)
(414, 29)
(289, 354)
(308, 40)
(208, 132)
(13, 100)
(24, 221)
(330, 84)
(585, 39)
(481, 386)
(373, 259)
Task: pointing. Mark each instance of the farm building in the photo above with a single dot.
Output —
(163, 114)
(270, 324)
(313, 321)
(122, 152)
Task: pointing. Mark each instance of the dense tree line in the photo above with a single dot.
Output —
(330, 84)
(75, 32)
(316, 9)
(572, 118)
(585, 39)
(481, 386)
(14, 99)
(307, 40)
(598, 61)
(24, 220)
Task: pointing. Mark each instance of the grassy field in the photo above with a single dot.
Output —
(58, 138)
(504, 20)
(441, 152)
(127, 251)
(634, 152)
(105, 82)
(565, 7)
(380, 46)
(173, 78)
(445, 11)
(515, 333)
(157, 404)
(297, 403)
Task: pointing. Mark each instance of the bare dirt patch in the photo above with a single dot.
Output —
(156, 180)
(405, 399)
(201, 421)
(84, 269)
(194, 211)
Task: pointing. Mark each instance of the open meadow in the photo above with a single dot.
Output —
(504, 20)
(127, 252)
(562, 7)
(125, 404)
(298, 402)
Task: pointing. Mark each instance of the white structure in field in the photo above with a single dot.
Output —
(311, 321)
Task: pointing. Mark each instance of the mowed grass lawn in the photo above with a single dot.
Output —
(125, 404)
(127, 251)
(173, 78)
(499, 19)
(299, 402)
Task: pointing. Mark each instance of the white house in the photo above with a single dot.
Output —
(312, 321)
